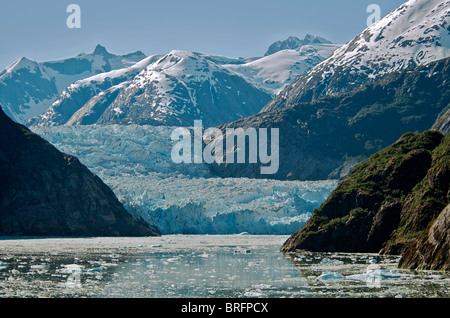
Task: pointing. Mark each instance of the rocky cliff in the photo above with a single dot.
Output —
(395, 202)
(44, 192)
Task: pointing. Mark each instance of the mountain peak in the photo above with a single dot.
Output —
(21, 63)
(314, 39)
(294, 42)
(100, 50)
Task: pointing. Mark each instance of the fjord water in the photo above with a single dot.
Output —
(205, 266)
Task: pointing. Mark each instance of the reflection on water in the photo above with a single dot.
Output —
(221, 272)
(205, 266)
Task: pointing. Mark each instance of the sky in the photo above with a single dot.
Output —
(235, 28)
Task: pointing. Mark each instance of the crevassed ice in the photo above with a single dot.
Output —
(135, 161)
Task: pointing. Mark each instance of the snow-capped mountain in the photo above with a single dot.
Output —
(274, 72)
(28, 88)
(416, 33)
(78, 103)
(177, 88)
(294, 42)
(172, 89)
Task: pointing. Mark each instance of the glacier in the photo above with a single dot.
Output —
(135, 161)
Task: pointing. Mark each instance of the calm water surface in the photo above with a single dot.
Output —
(200, 266)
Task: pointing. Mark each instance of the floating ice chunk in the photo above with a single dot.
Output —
(98, 270)
(71, 268)
(360, 277)
(330, 275)
(327, 261)
(262, 286)
(394, 274)
(253, 294)
(3, 265)
(378, 274)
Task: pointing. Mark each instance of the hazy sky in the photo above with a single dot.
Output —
(38, 30)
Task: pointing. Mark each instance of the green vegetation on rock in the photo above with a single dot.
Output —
(387, 204)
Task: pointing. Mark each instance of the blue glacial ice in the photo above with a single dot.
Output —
(135, 161)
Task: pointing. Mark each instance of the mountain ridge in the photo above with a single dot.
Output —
(180, 87)
(28, 88)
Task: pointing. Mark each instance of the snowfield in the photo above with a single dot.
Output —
(135, 162)
(275, 72)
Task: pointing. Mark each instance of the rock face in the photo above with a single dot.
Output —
(44, 192)
(443, 123)
(432, 251)
(345, 129)
(395, 202)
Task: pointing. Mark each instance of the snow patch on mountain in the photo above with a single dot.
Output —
(274, 72)
(417, 32)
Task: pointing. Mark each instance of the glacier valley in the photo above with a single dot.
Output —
(135, 161)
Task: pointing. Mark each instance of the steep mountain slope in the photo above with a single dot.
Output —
(395, 202)
(28, 88)
(44, 192)
(416, 33)
(326, 138)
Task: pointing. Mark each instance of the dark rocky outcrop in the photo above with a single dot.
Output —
(44, 192)
(395, 202)
(431, 252)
